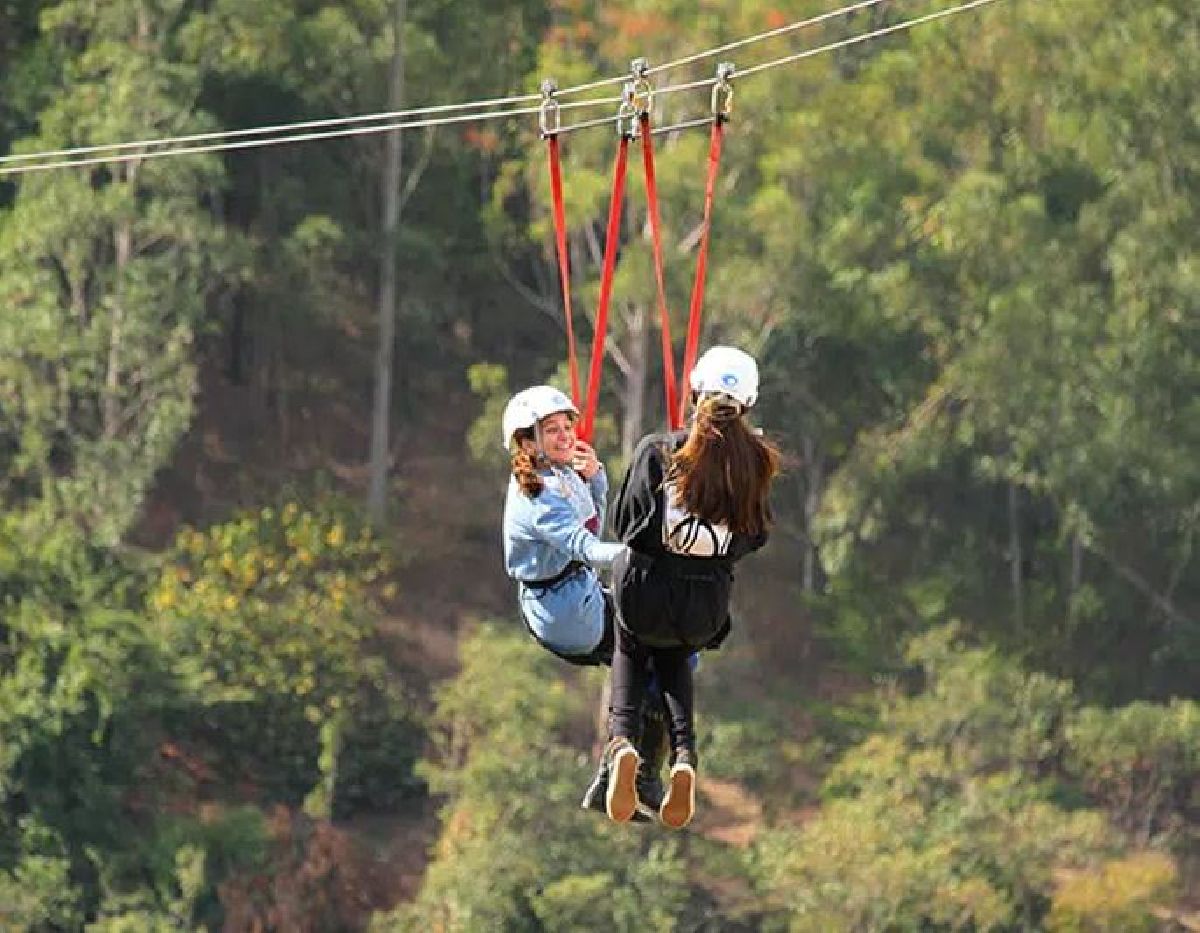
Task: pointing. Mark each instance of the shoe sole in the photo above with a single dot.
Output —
(679, 804)
(621, 799)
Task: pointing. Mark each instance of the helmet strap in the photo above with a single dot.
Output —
(540, 458)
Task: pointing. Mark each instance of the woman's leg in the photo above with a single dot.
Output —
(651, 744)
(652, 732)
(624, 722)
(675, 673)
(629, 676)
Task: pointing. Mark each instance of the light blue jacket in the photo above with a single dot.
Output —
(542, 534)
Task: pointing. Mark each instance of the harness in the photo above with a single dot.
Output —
(688, 570)
(633, 122)
(682, 567)
(573, 567)
(601, 655)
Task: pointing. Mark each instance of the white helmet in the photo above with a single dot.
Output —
(529, 406)
(728, 370)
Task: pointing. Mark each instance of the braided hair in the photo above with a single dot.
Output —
(524, 464)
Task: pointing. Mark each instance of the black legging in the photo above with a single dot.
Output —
(629, 677)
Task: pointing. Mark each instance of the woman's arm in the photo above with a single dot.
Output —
(598, 486)
(588, 466)
(637, 503)
(556, 523)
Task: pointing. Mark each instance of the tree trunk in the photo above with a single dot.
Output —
(1015, 556)
(814, 483)
(111, 408)
(76, 279)
(633, 412)
(1076, 579)
(267, 381)
(382, 409)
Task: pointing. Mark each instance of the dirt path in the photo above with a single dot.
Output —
(727, 812)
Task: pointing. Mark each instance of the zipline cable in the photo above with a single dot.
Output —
(816, 50)
(262, 143)
(424, 111)
(267, 130)
(855, 40)
(6, 168)
(168, 141)
(737, 44)
(279, 140)
(786, 60)
(770, 34)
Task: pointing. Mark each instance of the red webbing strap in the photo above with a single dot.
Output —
(693, 332)
(664, 314)
(564, 268)
(610, 263)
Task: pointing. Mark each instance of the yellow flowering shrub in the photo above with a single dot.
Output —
(276, 601)
(265, 620)
(1121, 897)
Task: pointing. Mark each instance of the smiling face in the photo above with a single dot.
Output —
(558, 437)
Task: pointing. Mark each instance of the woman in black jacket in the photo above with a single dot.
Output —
(692, 504)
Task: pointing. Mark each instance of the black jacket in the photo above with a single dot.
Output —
(672, 590)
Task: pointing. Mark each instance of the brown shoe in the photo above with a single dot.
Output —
(621, 798)
(679, 804)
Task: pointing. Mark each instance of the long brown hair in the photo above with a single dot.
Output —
(723, 472)
(524, 466)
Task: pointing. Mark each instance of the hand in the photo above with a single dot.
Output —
(584, 460)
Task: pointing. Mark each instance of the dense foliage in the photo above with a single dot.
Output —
(970, 808)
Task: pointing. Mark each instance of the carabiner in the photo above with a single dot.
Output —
(627, 114)
(722, 92)
(643, 93)
(549, 112)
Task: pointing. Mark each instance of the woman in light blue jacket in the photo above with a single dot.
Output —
(553, 513)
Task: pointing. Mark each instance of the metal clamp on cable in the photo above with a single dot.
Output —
(643, 93)
(627, 114)
(722, 92)
(549, 112)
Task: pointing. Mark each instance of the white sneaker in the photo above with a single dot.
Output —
(621, 798)
(679, 804)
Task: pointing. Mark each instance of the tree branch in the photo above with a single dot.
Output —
(593, 245)
(541, 303)
(618, 356)
(1142, 585)
(414, 176)
(1185, 556)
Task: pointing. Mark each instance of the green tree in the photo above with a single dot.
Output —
(312, 212)
(266, 620)
(1037, 448)
(104, 278)
(951, 816)
(516, 852)
(1140, 762)
(82, 688)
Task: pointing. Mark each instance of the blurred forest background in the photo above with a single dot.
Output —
(260, 668)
